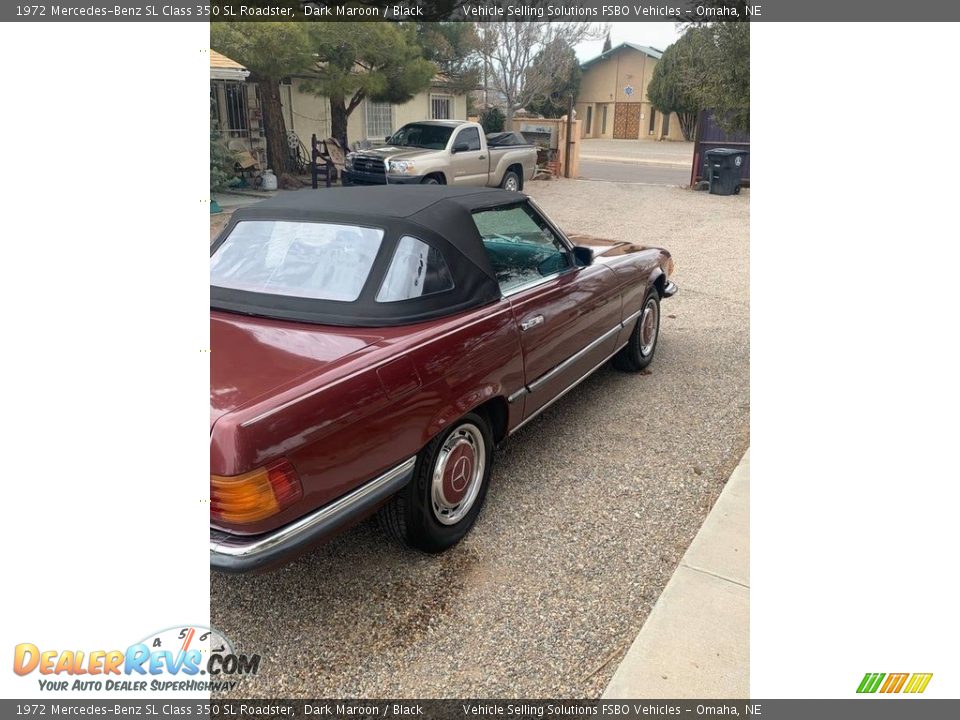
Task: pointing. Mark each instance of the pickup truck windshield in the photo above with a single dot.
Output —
(431, 137)
(314, 260)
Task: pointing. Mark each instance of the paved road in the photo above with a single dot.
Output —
(590, 509)
(680, 153)
(634, 172)
(636, 161)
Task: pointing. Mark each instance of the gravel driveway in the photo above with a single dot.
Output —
(589, 511)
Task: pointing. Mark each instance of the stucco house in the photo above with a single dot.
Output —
(305, 113)
(235, 107)
(613, 103)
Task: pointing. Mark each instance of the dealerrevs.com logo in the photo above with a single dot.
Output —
(181, 659)
(910, 683)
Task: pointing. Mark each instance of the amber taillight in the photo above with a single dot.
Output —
(255, 495)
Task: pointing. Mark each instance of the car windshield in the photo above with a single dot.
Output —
(321, 261)
(432, 137)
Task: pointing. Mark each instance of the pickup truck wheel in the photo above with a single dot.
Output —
(447, 490)
(511, 181)
(640, 348)
(430, 181)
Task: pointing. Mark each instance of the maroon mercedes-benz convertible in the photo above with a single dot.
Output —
(370, 347)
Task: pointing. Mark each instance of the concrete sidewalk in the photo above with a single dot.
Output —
(696, 641)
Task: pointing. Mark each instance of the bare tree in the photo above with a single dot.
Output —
(509, 49)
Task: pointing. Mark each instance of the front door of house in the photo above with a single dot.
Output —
(626, 121)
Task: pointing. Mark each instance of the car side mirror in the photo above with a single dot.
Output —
(461, 147)
(583, 255)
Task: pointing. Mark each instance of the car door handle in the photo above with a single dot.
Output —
(482, 157)
(531, 322)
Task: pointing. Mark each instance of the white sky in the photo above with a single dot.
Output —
(652, 34)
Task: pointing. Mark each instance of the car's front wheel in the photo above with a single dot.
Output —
(449, 484)
(640, 348)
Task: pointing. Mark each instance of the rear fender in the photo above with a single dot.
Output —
(465, 403)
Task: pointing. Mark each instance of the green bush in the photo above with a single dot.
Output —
(492, 120)
(222, 161)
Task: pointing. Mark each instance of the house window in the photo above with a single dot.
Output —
(235, 96)
(256, 114)
(214, 105)
(441, 107)
(589, 122)
(666, 125)
(603, 120)
(379, 120)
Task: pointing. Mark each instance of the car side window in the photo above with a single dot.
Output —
(520, 245)
(417, 269)
(470, 136)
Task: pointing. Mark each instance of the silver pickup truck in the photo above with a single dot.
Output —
(444, 152)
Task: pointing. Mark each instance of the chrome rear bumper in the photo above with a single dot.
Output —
(238, 553)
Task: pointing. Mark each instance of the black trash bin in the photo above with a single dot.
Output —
(725, 170)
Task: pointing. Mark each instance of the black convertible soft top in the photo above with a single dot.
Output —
(438, 215)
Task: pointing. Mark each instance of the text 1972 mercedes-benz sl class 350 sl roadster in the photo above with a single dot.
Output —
(370, 347)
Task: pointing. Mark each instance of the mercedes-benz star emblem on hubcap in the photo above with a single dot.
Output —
(460, 474)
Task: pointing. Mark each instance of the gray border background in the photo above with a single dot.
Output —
(872, 708)
(684, 10)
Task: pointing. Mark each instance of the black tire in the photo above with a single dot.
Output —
(429, 180)
(510, 177)
(636, 355)
(410, 516)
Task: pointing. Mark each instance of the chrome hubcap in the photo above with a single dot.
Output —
(511, 185)
(457, 474)
(649, 325)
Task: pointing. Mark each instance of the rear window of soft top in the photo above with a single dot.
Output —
(322, 261)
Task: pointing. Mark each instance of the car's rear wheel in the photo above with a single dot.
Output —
(640, 348)
(448, 488)
(511, 181)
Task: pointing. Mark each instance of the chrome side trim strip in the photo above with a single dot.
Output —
(570, 387)
(535, 283)
(550, 374)
(238, 548)
(624, 324)
(517, 395)
(629, 320)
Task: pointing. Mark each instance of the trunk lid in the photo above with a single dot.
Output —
(251, 357)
